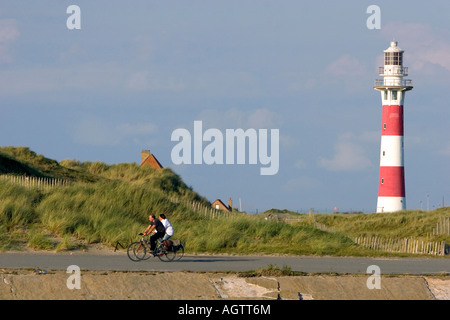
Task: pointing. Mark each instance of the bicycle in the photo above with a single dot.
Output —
(178, 248)
(137, 251)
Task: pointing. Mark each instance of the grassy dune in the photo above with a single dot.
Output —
(109, 203)
(402, 224)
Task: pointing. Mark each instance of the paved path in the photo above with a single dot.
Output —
(120, 262)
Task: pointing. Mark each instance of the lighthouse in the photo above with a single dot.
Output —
(391, 184)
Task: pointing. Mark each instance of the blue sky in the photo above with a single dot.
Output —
(137, 71)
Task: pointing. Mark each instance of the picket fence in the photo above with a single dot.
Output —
(206, 211)
(34, 182)
(49, 183)
(442, 227)
(405, 245)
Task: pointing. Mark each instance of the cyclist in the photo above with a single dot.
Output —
(157, 227)
(166, 223)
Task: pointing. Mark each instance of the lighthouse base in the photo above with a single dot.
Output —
(390, 204)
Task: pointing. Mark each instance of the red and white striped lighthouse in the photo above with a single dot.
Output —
(391, 189)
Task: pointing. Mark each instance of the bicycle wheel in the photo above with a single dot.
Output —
(148, 252)
(166, 256)
(179, 252)
(136, 251)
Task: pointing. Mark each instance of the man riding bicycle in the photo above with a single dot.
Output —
(158, 227)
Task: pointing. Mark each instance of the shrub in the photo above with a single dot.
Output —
(40, 241)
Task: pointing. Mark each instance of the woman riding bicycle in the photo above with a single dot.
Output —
(167, 225)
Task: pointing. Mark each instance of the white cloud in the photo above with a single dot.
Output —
(73, 52)
(306, 183)
(8, 33)
(349, 153)
(445, 151)
(144, 47)
(261, 118)
(138, 81)
(346, 65)
(89, 76)
(425, 48)
(288, 141)
(136, 129)
(300, 164)
(347, 72)
(98, 132)
(145, 81)
(222, 119)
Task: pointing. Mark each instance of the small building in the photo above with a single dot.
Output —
(219, 205)
(149, 159)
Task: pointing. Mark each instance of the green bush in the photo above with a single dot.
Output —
(17, 205)
(40, 241)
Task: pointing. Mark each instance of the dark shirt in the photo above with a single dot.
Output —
(159, 227)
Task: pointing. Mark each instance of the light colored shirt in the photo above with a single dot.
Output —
(168, 226)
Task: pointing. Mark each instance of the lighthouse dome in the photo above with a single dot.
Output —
(394, 47)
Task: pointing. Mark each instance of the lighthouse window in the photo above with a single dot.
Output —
(388, 58)
(394, 95)
(400, 58)
(385, 94)
(393, 58)
(384, 125)
(382, 180)
(384, 153)
(396, 58)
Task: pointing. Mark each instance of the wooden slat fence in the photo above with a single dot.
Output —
(206, 211)
(34, 182)
(319, 225)
(442, 227)
(405, 245)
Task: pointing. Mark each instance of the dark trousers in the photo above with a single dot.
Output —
(154, 238)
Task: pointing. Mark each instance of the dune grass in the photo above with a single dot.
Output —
(111, 203)
(17, 205)
(252, 235)
(403, 224)
(105, 212)
(117, 209)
